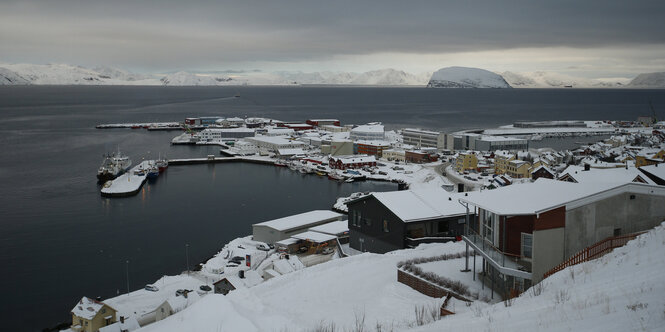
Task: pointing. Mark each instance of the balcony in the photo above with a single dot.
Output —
(505, 263)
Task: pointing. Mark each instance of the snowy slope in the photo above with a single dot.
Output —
(63, 74)
(622, 291)
(543, 79)
(649, 80)
(8, 77)
(464, 77)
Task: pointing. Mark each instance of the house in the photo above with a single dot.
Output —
(421, 156)
(283, 228)
(655, 173)
(542, 172)
(524, 230)
(323, 122)
(651, 157)
(90, 315)
(518, 169)
(123, 325)
(382, 222)
(244, 279)
(466, 161)
(175, 304)
(501, 160)
(351, 162)
(586, 174)
(394, 155)
(223, 286)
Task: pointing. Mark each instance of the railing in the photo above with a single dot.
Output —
(414, 242)
(595, 251)
(499, 257)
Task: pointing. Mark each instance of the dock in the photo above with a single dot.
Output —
(143, 125)
(127, 184)
(211, 159)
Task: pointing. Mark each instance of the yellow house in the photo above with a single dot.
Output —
(466, 161)
(501, 160)
(519, 169)
(89, 315)
(649, 158)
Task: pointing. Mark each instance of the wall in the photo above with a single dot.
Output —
(372, 236)
(420, 285)
(548, 251)
(596, 221)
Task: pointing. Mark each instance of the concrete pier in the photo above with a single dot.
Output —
(127, 184)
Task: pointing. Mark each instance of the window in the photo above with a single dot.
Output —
(385, 226)
(488, 223)
(527, 245)
(368, 221)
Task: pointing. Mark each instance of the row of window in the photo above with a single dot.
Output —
(357, 220)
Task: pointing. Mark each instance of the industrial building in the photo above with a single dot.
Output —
(283, 228)
(423, 138)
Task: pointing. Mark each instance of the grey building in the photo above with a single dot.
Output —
(478, 142)
(382, 222)
(282, 228)
(422, 138)
(523, 231)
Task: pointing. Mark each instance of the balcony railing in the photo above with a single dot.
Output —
(507, 263)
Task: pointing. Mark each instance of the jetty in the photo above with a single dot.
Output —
(129, 183)
(212, 159)
(143, 125)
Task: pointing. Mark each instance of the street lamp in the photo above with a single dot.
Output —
(187, 256)
(127, 274)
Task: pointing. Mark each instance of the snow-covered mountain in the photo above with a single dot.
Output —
(543, 79)
(184, 78)
(464, 77)
(649, 80)
(8, 77)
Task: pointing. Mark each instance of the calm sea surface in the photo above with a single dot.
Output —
(59, 240)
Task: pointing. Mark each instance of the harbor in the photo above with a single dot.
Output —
(129, 183)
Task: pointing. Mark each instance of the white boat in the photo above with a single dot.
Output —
(112, 166)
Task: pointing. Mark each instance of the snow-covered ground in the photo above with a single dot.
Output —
(463, 77)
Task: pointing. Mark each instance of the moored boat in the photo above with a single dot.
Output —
(113, 166)
(162, 164)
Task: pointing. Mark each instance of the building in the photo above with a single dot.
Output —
(586, 174)
(244, 279)
(223, 286)
(175, 304)
(296, 126)
(655, 173)
(394, 155)
(652, 157)
(335, 129)
(542, 172)
(346, 162)
(338, 148)
(382, 222)
(122, 325)
(478, 142)
(192, 121)
(274, 143)
(519, 169)
(369, 132)
(422, 138)
(421, 156)
(283, 228)
(466, 161)
(323, 122)
(90, 315)
(525, 230)
(218, 134)
(372, 148)
(501, 160)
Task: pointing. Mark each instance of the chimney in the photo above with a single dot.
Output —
(587, 167)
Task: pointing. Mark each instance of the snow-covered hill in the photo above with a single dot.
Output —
(649, 80)
(464, 77)
(622, 291)
(8, 77)
(543, 79)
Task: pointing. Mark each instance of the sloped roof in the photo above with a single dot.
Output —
(604, 175)
(87, 308)
(423, 204)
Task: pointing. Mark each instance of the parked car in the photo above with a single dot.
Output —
(237, 259)
(271, 246)
(205, 288)
(262, 246)
(232, 264)
(181, 292)
(151, 288)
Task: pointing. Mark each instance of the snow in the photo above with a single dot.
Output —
(649, 80)
(8, 77)
(528, 198)
(180, 302)
(127, 182)
(656, 170)
(315, 237)
(130, 324)
(300, 220)
(87, 308)
(621, 291)
(415, 205)
(544, 79)
(464, 77)
(332, 228)
(618, 175)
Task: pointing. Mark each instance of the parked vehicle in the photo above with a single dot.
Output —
(262, 246)
(151, 288)
(205, 288)
(181, 292)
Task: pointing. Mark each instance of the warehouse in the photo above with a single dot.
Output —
(283, 228)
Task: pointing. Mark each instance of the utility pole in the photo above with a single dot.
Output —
(187, 256)
(127, 274)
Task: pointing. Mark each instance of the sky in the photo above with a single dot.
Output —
(583, 38)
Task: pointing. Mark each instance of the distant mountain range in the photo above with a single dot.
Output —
(450, 77)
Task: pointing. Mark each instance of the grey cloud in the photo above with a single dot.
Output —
(167, 34)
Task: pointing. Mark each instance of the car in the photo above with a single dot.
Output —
(151, 288)
(232, 264)
(237, 259)
(271, 246)
(205, 288)
(262, 246)
(180, 292)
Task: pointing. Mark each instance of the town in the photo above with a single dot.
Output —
(479, 217)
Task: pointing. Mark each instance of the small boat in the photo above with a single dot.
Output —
(280, 163)
(162, 164)
(319, 173)
(153, 172)
(335, 176)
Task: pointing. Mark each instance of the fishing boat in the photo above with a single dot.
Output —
(162, 164)
(335, 176)
(153, 172)
(280, 163)
(112, 166)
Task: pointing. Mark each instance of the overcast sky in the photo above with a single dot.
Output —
(586, 38)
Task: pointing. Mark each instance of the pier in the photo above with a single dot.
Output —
(127, 184)
(211, 159)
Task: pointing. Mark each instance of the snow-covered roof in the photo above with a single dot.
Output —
(374, 128)
(655, 170)
(488, 138)
(604, 175)
(300, 220)
(87, 308)
(545, 194)
(420, 131)
(178, 303)
(315, 237)
(290, 152)
(333, 228)
(415, 205)
(129, 324)
(287, 242)
(277, 140)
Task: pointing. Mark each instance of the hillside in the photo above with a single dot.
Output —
(543, 79)
(464, 77)
(8, 77)
(649, 80)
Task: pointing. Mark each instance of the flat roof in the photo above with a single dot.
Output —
(281, 140)
(300, 220)
(315, 237)
(422, 204)
(332, 228)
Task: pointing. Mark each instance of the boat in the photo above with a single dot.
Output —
(153, 172)
(335, 176)
(162, 164)
(113, 166)
(280, 163)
